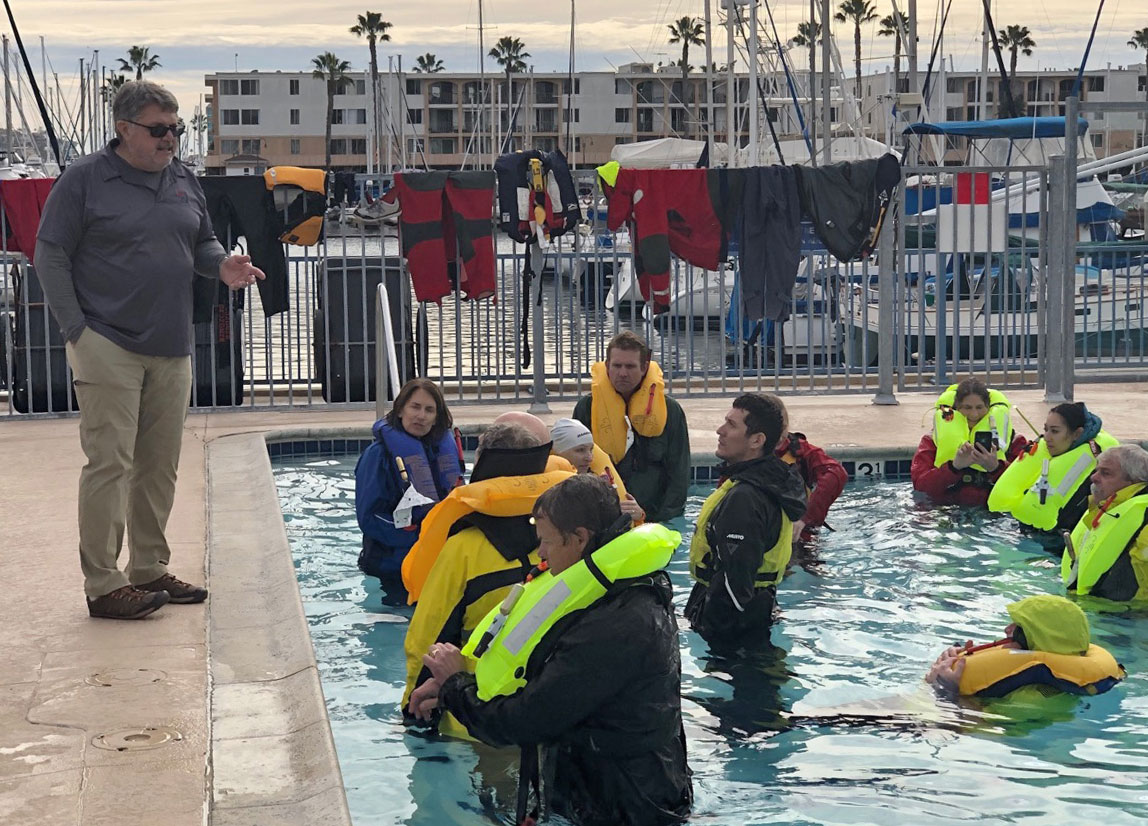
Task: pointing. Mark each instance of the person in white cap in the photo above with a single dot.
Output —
(573, 441)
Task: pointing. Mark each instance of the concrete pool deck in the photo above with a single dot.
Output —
(213, 713)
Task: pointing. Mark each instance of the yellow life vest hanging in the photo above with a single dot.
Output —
(1037, 486)
(1102, 536)
(300, 201)
(773, 562)
(505, 639)
(995, 672)
(608, 412)
(501, 496)
(951, 429)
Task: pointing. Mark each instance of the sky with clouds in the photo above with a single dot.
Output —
(196, 38)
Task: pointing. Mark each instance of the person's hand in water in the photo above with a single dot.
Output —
(946, 672)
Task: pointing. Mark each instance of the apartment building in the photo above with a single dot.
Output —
(446, 120)
(1043, 93)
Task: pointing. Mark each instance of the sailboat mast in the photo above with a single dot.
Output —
(816, 30)
(570, 93)
(731, 88)
(709, 84)
(826, 103)
(752, 98)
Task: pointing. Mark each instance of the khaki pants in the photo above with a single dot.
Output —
(132, 410)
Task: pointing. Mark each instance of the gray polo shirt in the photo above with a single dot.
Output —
(134, 241)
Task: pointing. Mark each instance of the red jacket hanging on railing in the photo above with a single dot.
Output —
(446, 215)
(23, 200)
(670, 210)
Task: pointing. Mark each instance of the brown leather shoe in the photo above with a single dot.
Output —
(181, 593)
(127, 603)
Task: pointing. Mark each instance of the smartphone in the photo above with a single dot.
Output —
(983, 439)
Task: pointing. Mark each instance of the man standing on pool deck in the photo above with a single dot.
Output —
(744, 535)
(124, 233)
(642, 429)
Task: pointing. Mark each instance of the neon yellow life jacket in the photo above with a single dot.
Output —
(951, 429)
(772, 567)
(1037, 486)
(995, 672)
(501, 669)
(1097, 548)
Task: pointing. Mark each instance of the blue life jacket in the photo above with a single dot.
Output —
(433, 470)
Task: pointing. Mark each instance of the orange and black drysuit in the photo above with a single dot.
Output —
(445, 212)
(685, 211)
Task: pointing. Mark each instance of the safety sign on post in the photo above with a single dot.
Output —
(974, 222)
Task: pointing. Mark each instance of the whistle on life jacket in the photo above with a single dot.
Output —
(495, 627)
(947, 413)
(538, 196)
(402, 470)
(1042, 483)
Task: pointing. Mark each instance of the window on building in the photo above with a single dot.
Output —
(251, 146)
(414, 86)
(577, 86)
(577, 115)
(1096, 84)
(645, 120)
(621, 87)
(294, 117)
(620, 141)
(230, 117)
(416, 115)
(295, 149)
(229, 87)
(1097, 140)
(360, 87)
(249, 87)
(443, 146)
(954, 84)
(338, 146)
(358, 146)
(229, 146)
(337, 115)
(413, 146)
(293, 86)
(1140, 83)
(360, 116)
(249, 117)
(577, 143)
(621, 116)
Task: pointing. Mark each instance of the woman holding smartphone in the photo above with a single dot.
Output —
(972, 443)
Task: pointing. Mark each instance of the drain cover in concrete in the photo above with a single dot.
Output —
(126, 676)
(137, 739)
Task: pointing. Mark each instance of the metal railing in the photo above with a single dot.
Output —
(920, 315)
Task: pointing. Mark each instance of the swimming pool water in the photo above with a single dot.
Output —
(831, 725)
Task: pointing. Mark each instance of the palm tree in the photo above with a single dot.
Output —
(508, 53)
(197, 127)
(113, 84)
(1015, 38)
(329, 68)
(859, 11)
(1140, 41)
(689, 32)
(372, 26)
(890, 28)
(806, 32)
(429, 63)
(139, 60)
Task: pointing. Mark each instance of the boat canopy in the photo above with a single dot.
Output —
(1014, 128)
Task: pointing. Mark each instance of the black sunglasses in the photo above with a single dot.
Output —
(158, 130)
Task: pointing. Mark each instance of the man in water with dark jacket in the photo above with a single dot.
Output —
(603, 686)
(744, 534)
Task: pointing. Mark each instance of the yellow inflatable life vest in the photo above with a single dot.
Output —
(646, 409)
(994, 672)
(1036, 486)
(951, 429)
(600, 463)
(772, 567)
(537, 605)
(300, 200)
(1102, 536)
(501, 496)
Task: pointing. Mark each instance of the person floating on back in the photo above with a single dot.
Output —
(642, 429)
(1047, 644)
